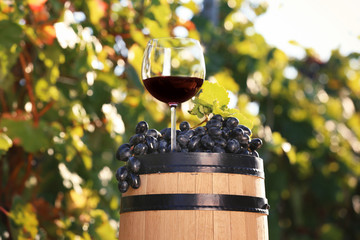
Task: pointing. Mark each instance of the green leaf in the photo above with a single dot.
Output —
(10, 32)
(23, 220)
(5, 142)
(214, 92)
(101, 229)
(32, 138)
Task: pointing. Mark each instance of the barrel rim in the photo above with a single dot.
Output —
(201, 162)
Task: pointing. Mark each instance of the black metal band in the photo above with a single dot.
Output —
(194, 202)
(202, 162)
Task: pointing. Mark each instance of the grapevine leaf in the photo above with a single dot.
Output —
(26, 132)
(10, 32)
(214, 92)
(24, 224)
(5, 142)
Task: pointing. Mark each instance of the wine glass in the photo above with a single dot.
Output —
(173, 70)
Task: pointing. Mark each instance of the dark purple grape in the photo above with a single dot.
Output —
(237, 133)
(255, 144)
(213, 123)
(194, 142)
(184, 126)
(200, 131)
(221, 142)
(225, 132)
(163, 131)
(207, 142)
(166, 134)
(246, 129)
(244, 151)
(218, 117)
(183, 140)
(134, 164)
(123, 152)
(232, 146)
(123, 186)
(121, 173)
(189, 133)
(153, 133)
(231, 122)
(152, 144)
(215, 132)
(140, 149)
(162, 146)
(185, 150)
(218, 149)
(134, 180)
(141, 127)
(244, 142)
(255, 153)
(137, 138)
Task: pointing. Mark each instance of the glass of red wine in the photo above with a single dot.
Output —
(173, 70)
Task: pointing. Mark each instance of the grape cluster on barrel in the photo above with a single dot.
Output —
(219, 135)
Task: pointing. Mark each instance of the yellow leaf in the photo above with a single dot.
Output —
(225, 79)
(211, 92)
(135, 57)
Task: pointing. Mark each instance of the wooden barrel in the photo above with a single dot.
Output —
(196, 196)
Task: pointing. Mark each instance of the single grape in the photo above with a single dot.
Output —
(213, 123)
(221, 142)
(152, 144)
(231, 122)
(218, 117)
(184, 126)
(189, 133)
(166, 134)
(134, 164)
(244, 151)
(153, 133)
(244, 142)
(194, 142)
(121, 173)
(215, 132)
(123, 186)
(232, 146)
(120, 150)
(207, 142)
(236, 133)
(183, 140)
(200, 131)
(255, 144)
(141, 127)
(137, 138)
(218, 149)
(140, 149)
(225, 132)
(123, 154)
(245, 129)
(134, 180)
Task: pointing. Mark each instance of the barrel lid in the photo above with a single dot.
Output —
(201, 162)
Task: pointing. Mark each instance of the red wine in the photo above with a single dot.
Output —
(173, 89)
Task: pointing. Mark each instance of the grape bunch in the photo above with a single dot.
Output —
(219, 135)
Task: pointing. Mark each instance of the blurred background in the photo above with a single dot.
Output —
(70, 94)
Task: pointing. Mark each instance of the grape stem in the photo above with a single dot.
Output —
(204, 121)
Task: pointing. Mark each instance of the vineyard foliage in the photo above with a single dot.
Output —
(70, 94)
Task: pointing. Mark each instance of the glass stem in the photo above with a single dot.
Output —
(173, 127)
